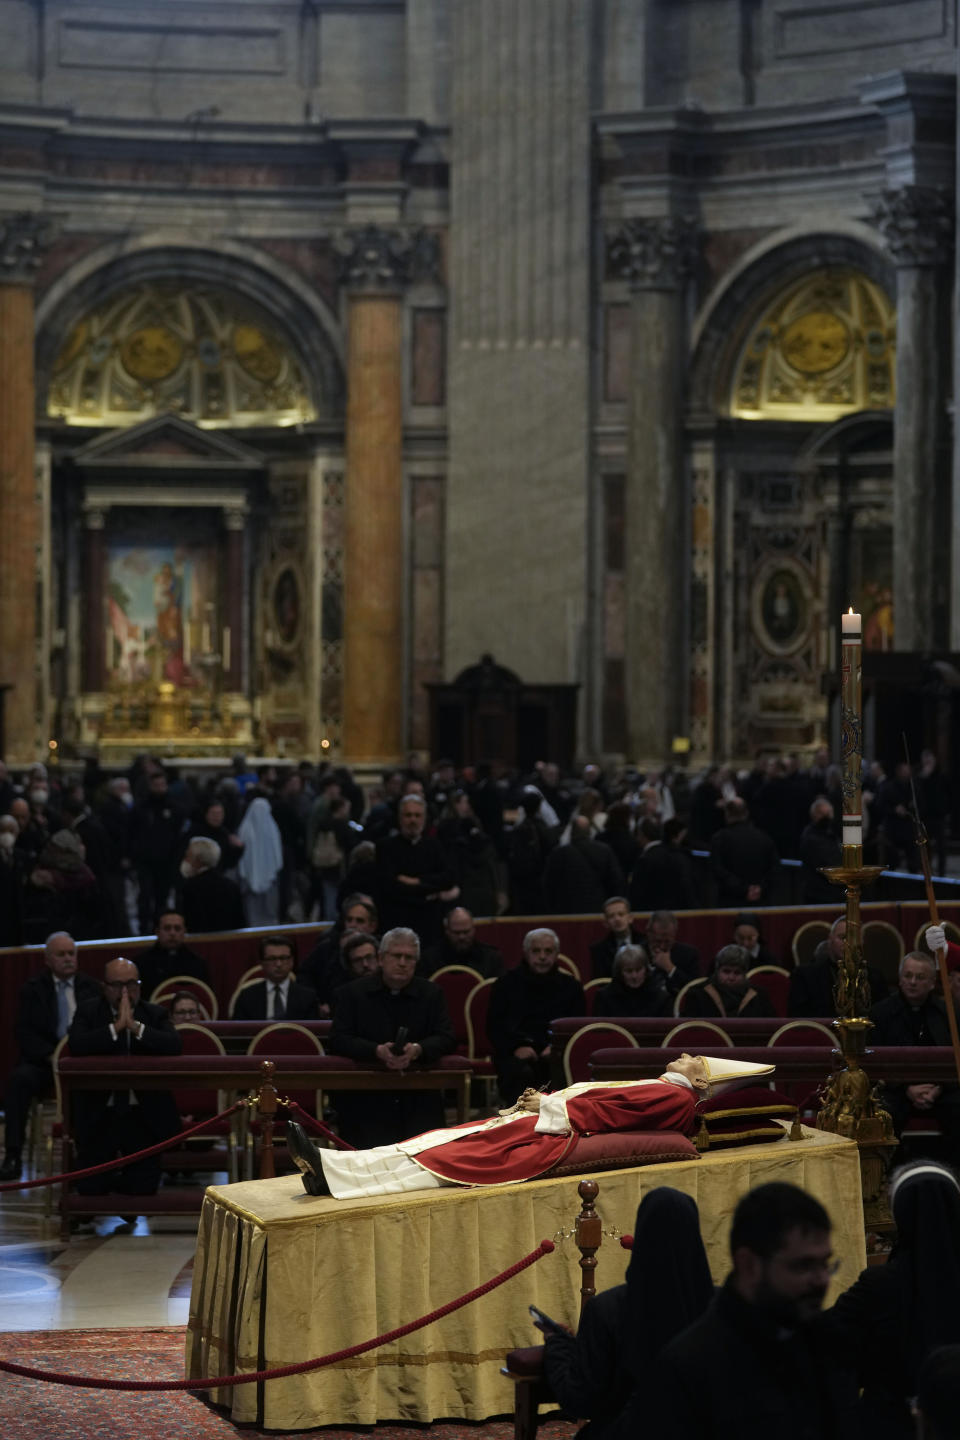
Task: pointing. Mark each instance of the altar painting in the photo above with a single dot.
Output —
(160, 603)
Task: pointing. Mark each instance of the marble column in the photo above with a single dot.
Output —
(234, 608)
(94, 611)
(376, 265)
(519, 406)
(916, 224)
(21, 244)
(655, 256)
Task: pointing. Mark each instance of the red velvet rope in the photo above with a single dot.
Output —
(546, 1247)
(122, 1160)
(319, 1126)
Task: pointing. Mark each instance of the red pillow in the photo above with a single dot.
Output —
(618, 1149)
(743, 1117)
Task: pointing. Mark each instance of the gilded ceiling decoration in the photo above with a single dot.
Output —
(822, 349)
(206, 355)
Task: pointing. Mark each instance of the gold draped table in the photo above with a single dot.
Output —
(281, 1277)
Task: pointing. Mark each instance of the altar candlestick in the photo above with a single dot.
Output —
(226, 649)
(205, 638)
(851, 731)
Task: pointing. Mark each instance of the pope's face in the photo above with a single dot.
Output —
(691, 1067)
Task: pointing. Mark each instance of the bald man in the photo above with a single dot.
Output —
(109, 1123)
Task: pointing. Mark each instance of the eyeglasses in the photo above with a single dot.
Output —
(812, 1266)
(122, 984)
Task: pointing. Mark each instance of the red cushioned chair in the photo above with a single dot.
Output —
(197, 1104)
(775, 981)
(696, 1033)
(286, 1037)
(199, 989)
(804, 1032)
(478, 1046)
(456, 982)
(582, 1044)
(591, 988)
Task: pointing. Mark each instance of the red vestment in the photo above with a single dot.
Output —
(509, 1152)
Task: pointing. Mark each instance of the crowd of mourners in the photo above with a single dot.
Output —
(104, 854)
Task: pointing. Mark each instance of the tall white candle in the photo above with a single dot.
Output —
(851, 743)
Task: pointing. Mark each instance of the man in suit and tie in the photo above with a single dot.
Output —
(46, 1007)
(277, 996)
(111, 1123)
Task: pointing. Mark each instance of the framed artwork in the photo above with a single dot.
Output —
(286, 605)
(781, 609)
(157, 603)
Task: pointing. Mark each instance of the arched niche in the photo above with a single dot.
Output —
(170, 320)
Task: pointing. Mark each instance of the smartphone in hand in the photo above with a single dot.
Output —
(543, 1322)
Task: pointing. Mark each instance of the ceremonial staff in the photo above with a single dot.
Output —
(923, 848)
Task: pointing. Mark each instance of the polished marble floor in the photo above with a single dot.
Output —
(109, 1274)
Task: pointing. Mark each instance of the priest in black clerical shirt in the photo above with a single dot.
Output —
(169, 956)
(415, 876)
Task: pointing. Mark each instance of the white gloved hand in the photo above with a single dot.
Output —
(936, 938)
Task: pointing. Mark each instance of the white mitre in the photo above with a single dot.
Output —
(712, 1074)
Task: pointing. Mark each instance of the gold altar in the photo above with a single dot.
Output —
(282, 1277)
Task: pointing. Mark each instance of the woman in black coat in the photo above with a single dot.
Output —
(622, 1331)
(896, 1314)
(636, 988)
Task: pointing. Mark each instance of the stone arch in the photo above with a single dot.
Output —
(311, 327)
(780, 259)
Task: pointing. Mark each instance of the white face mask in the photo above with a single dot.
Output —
(127, 799)
(186, 869)
(39, 797)
(7, 841)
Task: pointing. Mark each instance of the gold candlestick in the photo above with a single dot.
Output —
(850, 1105)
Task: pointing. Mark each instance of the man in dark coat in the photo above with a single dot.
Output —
(460, 946)
(579, 876)
(155, 829)
(209, 900)
(727, 992)
(522, 1004)
(915, 1015)
(391, 1020)
(743, 859)
(757, 1365)
(622, 929)
(677, 962)
(169, 955)
(45, 1008)
(660, 879)
(415, 876)
(106, 1123)
(276, 996)
(820, 847)
(811, 986)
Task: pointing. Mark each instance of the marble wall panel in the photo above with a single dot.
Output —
(428, 357)
(616, 352)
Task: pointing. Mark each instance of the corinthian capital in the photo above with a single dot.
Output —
(23, 240)
(374, 258)
(916, 222)
(653, 254)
